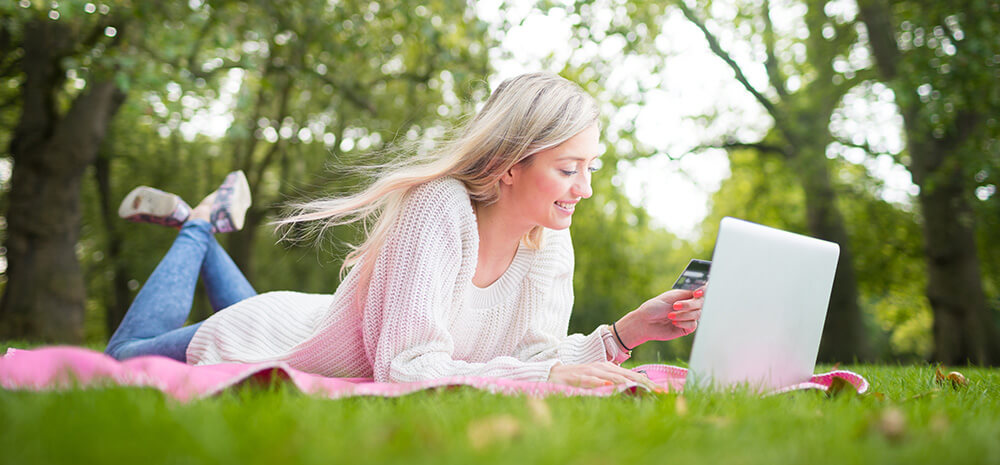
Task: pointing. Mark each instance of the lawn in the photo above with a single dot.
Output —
(908, 418)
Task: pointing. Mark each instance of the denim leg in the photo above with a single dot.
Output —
(172, 344)
(153, 323)
(224, 282)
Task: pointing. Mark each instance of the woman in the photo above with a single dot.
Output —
(467, 270)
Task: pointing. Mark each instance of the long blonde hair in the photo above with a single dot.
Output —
(524, 115)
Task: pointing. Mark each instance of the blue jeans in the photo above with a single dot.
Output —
(154, 323)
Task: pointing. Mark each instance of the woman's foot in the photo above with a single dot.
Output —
(226, 208)
(203, 211)
(148, 205)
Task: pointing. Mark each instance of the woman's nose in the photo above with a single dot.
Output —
(582, 187)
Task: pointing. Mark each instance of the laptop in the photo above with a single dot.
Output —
(765, 304)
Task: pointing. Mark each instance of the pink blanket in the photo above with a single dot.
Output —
(69, 367)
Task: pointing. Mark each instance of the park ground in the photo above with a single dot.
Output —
(908, 416)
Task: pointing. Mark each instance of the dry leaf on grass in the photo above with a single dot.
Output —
(491, 430)
(892, 424)
(540, 411)
(956, 379)
(839, 386)
(681, 406)
(876, 395)
(939, 423)
(717, 421)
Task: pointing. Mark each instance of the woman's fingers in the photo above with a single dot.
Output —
(621, 375)
(588, 381)
(693, 315)
(687, 325)
(598, 374)
(689, 304)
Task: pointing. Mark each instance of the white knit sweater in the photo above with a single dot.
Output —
(423, 318)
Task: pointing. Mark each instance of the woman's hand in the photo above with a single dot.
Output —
(597, 374)
(670, 315)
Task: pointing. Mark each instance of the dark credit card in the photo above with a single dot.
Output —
(694, 276)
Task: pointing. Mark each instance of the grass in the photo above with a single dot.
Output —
(912, 420)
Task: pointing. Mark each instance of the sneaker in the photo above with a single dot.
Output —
(232, 199)
(148, 205)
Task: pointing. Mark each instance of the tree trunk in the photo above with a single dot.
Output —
(963, 328)
(241, 243)
(844, 338)
(120, 294)
(44, 296)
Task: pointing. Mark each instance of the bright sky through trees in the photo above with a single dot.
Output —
(675, 184)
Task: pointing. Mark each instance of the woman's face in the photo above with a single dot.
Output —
(546, 190)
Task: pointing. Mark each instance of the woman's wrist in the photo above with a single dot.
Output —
(628, 331)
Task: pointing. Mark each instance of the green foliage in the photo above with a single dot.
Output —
(313, 90)
(309, 90)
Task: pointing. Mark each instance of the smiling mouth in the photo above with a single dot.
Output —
(569, 207)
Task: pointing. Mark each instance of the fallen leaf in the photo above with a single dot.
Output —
(540, 411)
(939, 423)
(839, 386)
(717, 421)
(490, 430)
(892, 424)
(681, 406)
(876, 395)
(955, 379)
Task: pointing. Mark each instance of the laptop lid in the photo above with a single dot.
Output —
(765, 304)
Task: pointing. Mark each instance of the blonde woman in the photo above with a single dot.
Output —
(466, 270)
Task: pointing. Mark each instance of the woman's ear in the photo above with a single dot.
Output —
(508, 176)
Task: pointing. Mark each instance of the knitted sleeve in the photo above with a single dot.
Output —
(418, 283)
(548, 324)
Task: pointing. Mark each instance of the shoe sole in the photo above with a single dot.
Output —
(145, 200)
(241, 200)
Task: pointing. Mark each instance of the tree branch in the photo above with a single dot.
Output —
(713, 43)
(81, 131)
(773, 71)
(196, 46)
(866, 147)
(861, 75)
(881, 35)
(349, 93)
(761, 147)
(258, 174)
(242, 158)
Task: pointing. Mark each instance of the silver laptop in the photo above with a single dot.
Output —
(766, 301)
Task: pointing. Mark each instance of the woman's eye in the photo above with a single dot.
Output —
(568, 172)
(593, 168)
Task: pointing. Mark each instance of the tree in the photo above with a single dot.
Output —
(940, 60)
(75, 62)
(313, 77)
(800, 137)
(406, 60)
(56, 138)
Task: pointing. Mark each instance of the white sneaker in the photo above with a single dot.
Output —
(148, 205)
(232, 199)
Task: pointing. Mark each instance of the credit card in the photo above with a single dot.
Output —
(694, 276)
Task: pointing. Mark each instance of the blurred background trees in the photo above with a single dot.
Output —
(96, 98)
